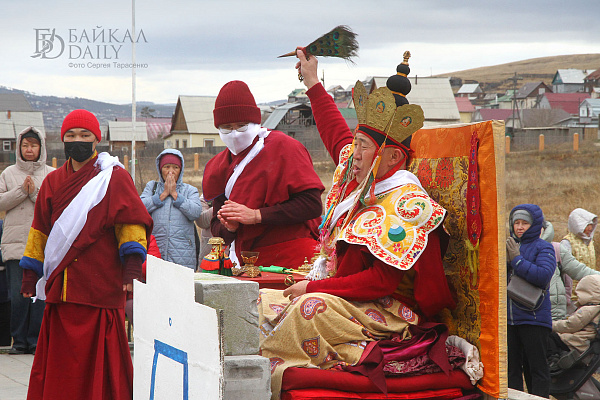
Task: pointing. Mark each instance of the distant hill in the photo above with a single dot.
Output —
(495, 78)
(56, 108)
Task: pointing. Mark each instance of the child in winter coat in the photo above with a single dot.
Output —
(580, 328)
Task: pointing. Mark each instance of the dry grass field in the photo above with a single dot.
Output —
(558, 180)
(531, 70)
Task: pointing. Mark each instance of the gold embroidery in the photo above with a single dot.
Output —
(445, 180)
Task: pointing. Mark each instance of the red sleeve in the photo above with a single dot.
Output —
(331, 125)
(153, 250)
(431, 289)
(301, 207)
(216, 227)
(372, 283)
(42, 217)
(30, 279)
(132, 268)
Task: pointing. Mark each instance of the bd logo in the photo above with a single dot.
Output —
(48, 44)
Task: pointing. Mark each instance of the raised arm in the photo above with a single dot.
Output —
(331, 125)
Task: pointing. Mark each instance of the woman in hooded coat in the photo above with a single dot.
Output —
(532, 259)
(19, 187)
(173, 205)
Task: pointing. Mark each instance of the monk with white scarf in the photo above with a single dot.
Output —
(266, 194)
(87, 243)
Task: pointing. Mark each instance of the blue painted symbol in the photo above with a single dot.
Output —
(175, 355)
(170, 321)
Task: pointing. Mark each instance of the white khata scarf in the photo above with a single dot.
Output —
(70, 223)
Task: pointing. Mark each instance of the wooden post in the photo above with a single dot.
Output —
(126, 162)
(196, 161)
(541, 142)
(54, 162)
(507, 146)
(576, 142)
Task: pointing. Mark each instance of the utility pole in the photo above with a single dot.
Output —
(133, 104)
(515, 106)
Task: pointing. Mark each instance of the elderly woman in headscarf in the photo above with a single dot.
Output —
(174, 206)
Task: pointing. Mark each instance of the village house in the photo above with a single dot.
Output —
(298, 96)
(530, 93)
(490, 114)
(434, 95)
(504, 101)
(568, 102)
(591, 84)
(538, 118)
(589, 110)
(471, 90)
(569, 80)
(156, 127)
(16, 114)
(339, 94)
(465, 109)
(119, 135)
(192, 124)
(296, 120)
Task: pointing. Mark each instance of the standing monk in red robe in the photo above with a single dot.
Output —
(87, 243)
(266, 194)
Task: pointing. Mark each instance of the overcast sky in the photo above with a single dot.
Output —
(193, 47)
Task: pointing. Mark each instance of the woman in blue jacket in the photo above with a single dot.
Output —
(174, 206)
(532, 259)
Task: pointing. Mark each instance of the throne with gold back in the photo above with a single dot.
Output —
(461, 167)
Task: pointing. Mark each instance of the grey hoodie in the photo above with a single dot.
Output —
(18, 204)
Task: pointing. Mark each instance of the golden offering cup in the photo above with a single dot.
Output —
(249, 258)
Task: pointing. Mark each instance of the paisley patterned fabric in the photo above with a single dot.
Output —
(322, 330)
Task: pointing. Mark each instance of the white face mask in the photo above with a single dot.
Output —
(237, 142)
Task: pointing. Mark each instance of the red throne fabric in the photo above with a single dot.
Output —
(301, 383)
(326, 394)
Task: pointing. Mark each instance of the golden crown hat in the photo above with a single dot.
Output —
(379, 114)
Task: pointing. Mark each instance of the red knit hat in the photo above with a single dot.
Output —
(81, 119)
(235, 103)
(169, 159)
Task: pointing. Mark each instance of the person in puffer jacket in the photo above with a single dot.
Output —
(174, 206)
(532, 259)
(568, 268)
(19, 187)
(579, 329)
(580, 239)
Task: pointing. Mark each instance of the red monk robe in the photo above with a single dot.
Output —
(282, 183)
(82, 350)
(360, 275)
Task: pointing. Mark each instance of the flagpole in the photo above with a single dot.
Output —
(133, 104)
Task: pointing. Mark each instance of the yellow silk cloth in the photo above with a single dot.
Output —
(320, 330)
